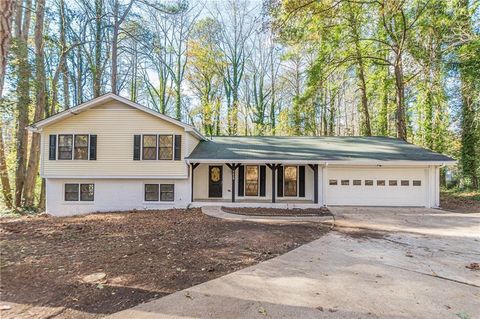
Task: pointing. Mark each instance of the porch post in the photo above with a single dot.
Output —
(273, 168)
(194, 165)
(233, 168)
(314, 167)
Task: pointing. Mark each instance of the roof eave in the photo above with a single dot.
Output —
(327, 162)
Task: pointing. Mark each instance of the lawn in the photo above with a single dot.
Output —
(460, 201)
(145, 255)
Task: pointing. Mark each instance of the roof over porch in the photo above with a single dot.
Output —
(314, 149)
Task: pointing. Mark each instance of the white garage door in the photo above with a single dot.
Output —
(376, 187)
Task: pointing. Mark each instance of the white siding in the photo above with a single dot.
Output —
(115, 125)
(113, 195)
(191, 143)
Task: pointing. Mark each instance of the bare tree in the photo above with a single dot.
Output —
(40, 88)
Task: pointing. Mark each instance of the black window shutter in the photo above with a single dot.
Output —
(280, 181)
(178, 148)
(263, 173)
(52, 149)
(301, 181)
(241, 181)
(136, 147)
(93, 148)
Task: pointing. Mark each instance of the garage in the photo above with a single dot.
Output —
(376, 186)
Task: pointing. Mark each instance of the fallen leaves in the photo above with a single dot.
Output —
(473, 266)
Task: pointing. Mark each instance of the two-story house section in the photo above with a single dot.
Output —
(112, 154)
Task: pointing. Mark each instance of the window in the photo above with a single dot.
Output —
(332, 182)
(87, 192)
(151, 192)
(345, 182)
(368, 182)
(71, 192)
(251, 180)
(290, 174)
(417, 183)
(82, 192)
(149, 147)
(380, 182)
(81, 147)
(392, 183)
(166, 192)
(165, 149)
(65, 143)
(405, 183)
(357, 182)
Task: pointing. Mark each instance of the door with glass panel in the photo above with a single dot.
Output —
(215, 181)
(251, 180)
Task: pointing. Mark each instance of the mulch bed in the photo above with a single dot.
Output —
(145, 255)
(293, 212)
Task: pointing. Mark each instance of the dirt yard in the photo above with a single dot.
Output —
(144, 255)
(460, 202)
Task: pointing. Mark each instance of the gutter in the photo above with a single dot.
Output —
(326, 163)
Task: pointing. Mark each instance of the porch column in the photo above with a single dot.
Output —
(194, 165)
(273, 168)
(314, 167)
(233, 168)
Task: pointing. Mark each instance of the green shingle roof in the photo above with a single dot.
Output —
(284, 148)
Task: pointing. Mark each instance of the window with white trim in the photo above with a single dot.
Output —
(159, 192)
(151, 192)
(167, 192)
(165, 147)
(149, 143)
(80, 147)
(65, 146)
(73, 146)
(79, 192)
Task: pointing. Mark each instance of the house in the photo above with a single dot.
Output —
(111, 154)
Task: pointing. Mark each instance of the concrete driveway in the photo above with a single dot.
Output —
(412, 266)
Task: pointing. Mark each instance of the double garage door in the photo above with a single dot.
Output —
(376, 187)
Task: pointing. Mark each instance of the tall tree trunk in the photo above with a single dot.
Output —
(63, 43)
(178, 87)
(114, 57)
(7, 8)
(23, 95)
(40, 88)
(360, 70)
(41, 198)
(97, 72)
(400, 90)
(79, 76)
(469, 131)
(6, 189)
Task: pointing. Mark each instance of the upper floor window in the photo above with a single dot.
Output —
(65, 147)
(165, 147)
(81, 147)
(157, 147)
(72, 146)
(149, 147)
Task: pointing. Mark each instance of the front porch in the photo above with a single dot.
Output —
(283, 185)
